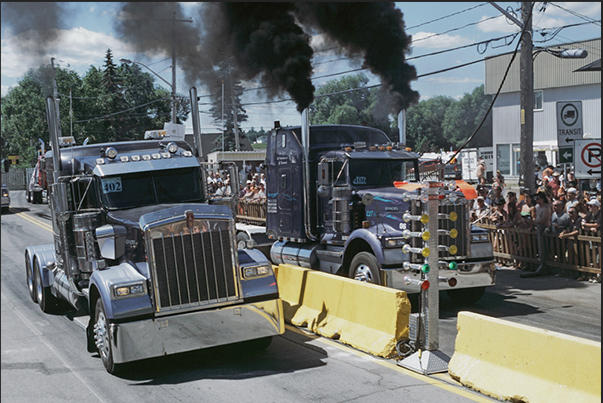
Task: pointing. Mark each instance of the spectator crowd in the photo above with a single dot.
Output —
(557, 206)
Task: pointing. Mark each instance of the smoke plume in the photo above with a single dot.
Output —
(35, 25)
(374, 31)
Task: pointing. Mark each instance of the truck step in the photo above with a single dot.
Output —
(82, 321)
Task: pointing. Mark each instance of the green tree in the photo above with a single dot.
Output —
(102, 106)
(233, 90)
(334, 103)
(463, 117)
(424, 131)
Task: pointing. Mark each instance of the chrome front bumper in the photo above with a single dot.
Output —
(468, 275)
(196, 330)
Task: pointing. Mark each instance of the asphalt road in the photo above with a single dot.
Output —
(44, 356)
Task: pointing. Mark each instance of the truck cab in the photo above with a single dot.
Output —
(347, 214)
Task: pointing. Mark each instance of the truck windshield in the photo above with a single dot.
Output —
(364, 172)
(152, 187)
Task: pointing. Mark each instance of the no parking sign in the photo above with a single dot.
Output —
(587, 158)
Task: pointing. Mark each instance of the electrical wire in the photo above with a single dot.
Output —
(523, 32)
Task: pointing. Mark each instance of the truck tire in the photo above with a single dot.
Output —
(466, 295)
(364, 267)
(31, 284)
(37, 197)
(44, 296)
(102, 338)
(28, 196)
(242, 239)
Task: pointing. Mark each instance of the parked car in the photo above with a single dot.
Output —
(5, 198)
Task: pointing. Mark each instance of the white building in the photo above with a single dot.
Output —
(555, 79)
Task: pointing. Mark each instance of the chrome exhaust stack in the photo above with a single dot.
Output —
(196, 123)
(305, 134)
(402, 127)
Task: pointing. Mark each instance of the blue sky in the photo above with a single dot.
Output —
(88, 30)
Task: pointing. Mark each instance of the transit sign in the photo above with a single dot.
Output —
(587, 164)
(569, 122)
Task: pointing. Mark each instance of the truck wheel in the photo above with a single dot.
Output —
(364, 267)
(37, 197)
(466, 295)
(102, 338)
(45, 299)
(31, 285)
(28, 196)
(242, 239)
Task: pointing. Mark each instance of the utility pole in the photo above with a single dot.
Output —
(526, 88)
(526, 74)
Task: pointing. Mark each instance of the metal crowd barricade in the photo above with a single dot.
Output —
(513, 245)
(252, 212)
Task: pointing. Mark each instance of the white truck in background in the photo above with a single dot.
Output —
(469, 158)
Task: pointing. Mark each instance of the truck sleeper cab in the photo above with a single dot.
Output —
(354, 225)
(138, 250)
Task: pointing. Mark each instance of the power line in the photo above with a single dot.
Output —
(576, 14)
(446, 16)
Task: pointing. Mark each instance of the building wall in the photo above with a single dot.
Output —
(506, 124)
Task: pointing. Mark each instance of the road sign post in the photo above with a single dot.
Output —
(569, 128)
(587, 153)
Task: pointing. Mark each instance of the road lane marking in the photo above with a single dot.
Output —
(33, 220)
(445, 382)
(7, 302)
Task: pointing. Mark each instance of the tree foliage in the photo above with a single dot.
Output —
(233, 90)
(111, 103)
(363, 106)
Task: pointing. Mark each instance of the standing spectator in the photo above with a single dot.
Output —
(574, 226)
(555, 184)
(499, 216)
(571, 181)
(479, 210)
(500, 180)
(480, 171)
(261, 195)
(482, 191)
(559, 219)
(592, 222)
(571, 199)
(511, 207)
(263, 179)
(542, 221)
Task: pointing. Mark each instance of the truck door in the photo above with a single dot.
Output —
(284, 177)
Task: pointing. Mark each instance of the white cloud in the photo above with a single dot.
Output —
(500, 24)
(433, 41)
(77, 47)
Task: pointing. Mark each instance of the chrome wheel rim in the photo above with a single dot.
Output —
(363, 273)
(101, 335)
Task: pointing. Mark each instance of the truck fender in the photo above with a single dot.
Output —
(361, 240)
(46, 258)
(101, 283)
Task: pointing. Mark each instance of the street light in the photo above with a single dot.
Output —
(171, 85)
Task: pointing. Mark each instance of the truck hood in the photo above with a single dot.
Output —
(385, 212)
(141, 216)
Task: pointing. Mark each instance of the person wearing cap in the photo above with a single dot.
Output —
(592, 222)
(571, 198)
(499, 216)
(555, 184)
(480, 209)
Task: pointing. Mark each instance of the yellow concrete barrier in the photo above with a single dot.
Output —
(368, 317)
(524, 364)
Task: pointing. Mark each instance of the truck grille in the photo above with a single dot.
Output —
(192, 269)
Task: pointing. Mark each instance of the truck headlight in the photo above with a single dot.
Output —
(129, 290)
(256, 271)
(394, 242)
(475, 238)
